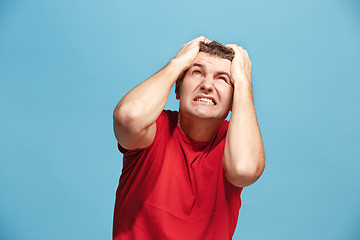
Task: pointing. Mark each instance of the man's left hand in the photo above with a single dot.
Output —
(241, 65)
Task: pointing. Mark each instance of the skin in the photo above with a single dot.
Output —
(227, 83)
(207, 77)
(244, 158)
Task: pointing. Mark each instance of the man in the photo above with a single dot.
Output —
(183, 172)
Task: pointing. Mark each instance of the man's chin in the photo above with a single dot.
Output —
(203, 113)
(208, 116)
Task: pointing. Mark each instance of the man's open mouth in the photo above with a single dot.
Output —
(206, 100)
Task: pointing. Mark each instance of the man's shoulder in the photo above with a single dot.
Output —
(171, 113)
(223, 129)
(170, 116)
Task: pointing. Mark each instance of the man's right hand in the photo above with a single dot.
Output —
(136, 113)
(188, 51)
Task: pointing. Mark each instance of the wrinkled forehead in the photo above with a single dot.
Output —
(211, 62)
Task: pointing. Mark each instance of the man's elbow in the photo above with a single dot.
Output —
(125, 127)
(242, 176)
(124, 118)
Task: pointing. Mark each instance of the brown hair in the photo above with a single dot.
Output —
(212, 48)
(215, 48)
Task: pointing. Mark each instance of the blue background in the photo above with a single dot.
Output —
(65, 64)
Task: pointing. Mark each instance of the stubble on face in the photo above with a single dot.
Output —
(206, 89)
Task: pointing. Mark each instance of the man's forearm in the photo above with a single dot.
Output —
(136, 113)
(143, 104)
(244, 158)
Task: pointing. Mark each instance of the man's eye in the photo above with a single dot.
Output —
(197, 73)
(224, 79)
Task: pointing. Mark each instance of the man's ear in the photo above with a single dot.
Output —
(178, 84)
(178, 88)
(232, 100)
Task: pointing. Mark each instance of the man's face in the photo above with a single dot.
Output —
(206, 90)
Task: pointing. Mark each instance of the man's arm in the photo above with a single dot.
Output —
(136, 113)
(244, 158)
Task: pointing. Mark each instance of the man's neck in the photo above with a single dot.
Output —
(202, 130)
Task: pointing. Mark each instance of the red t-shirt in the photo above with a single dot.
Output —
(176, 188)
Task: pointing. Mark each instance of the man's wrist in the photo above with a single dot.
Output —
(179, 64)
(243, 88)
(242, 83)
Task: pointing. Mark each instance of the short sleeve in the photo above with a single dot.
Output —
(161, 122)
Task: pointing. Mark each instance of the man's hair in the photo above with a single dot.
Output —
(217, 49)
(213, 48)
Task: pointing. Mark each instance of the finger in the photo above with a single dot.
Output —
(246, 53)
(199, 39)
(202, 39)
(207, 41)
(235, 48)
(239, 51)
(231, 46)
(194, 40)
(247, 57)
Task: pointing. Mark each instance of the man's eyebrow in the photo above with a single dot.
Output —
(224, 73)
(202, 66)
(197, 65)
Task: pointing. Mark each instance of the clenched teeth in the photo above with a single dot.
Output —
(206, 100)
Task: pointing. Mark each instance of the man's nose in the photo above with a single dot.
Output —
(207, 85)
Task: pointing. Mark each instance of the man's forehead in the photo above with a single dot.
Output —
(206, 59)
